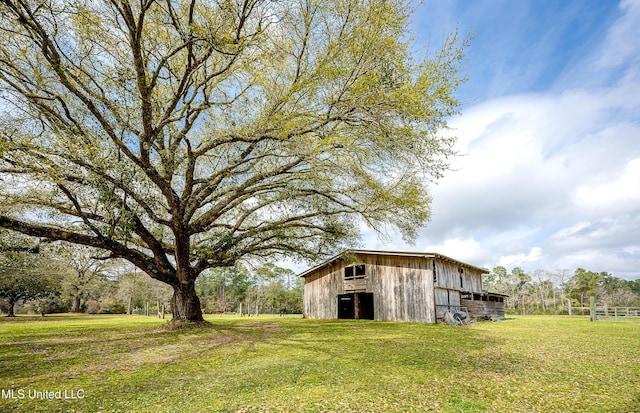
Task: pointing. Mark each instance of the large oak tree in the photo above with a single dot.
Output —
(186, 135)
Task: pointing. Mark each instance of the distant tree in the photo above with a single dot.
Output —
(495, 277)
(611, 283)
(620, 298)
(52, 303)
(24, 277)
(270, 272)
(184, 136)
(295, 297)
(275, 287)
(543, 288)
(136, 290)
(275, 296)
(561, 279)
(128, 286)
(618, 292)
(107, 301)
(83, 276)
(584, 284)
(520, 280)
(225, 288)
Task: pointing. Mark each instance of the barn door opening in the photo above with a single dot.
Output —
(365, 306)
(346, 306)
(358, 306)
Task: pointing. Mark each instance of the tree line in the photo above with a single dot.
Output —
(552, 292)
(71, 279)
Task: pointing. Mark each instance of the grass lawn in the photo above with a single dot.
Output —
(139, 364)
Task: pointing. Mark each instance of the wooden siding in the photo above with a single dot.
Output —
(403, 287)
(483, 309)
(446, 300)
(351, 286)
(321, 290)
(449, 277)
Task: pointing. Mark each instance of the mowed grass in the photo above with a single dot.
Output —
(140, 364)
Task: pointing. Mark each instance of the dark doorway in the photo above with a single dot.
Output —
(346, 306)
(365, 306)
(357, 306)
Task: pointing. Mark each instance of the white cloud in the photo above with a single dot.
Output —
(468, 249)
(619, 195)
(518, 260)
(620, 45)
(548, 181)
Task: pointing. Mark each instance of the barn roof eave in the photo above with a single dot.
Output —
(489, 292)
(392, 253)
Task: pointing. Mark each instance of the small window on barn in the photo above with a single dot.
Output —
(348, 273)
(461, 271)
(355, 272)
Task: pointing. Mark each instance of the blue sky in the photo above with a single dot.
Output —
(519, 46)
(550, 132)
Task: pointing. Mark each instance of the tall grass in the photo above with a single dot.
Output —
(141, 364)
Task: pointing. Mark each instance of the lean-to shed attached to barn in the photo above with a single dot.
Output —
(390, 286)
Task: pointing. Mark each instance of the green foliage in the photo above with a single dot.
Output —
(82, 275)
(584, 284)
(112, 306)
(50, 304)
(24, 277)
(139, 364)
(224, 288)
(267, 288)
(135, 290)
(490, 280)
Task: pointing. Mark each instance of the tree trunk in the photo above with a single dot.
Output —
(75, 307)
(185, 304)
(11, 308)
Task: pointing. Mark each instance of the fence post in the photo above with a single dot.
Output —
(615, 312)
(592, 302)
(569, 307)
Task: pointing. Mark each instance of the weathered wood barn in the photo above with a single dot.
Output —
(396, 286)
